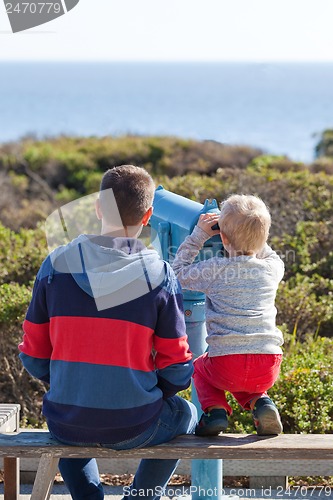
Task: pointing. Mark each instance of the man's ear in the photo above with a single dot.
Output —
(98, 209)
(224, 239)
(147, 215)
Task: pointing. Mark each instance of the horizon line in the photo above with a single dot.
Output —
(172, 61)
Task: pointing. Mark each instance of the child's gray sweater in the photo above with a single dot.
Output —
(240, 295)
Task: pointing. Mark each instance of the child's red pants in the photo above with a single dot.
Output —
(245, 376)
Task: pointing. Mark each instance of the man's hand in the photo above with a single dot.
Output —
(206, 221)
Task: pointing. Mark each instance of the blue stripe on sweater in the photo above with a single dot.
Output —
(178, 375)
(37, 367)
(101, 386)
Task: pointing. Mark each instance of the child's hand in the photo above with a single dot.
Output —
(206, 221)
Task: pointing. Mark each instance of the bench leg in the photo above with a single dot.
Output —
(47, 469)
(12, 478)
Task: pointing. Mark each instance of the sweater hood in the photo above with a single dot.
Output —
(112, 270)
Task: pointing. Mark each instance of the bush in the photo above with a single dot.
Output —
(23, 203)
(61, 159)
(264, 163)
(21, 254)
(309, 250)
(323, 164)
(37, 174)
(16, 386)
(14, 303)
(291, 197)
(304, 307)
(325, 144)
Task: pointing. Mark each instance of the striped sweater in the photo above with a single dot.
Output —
(105, 328)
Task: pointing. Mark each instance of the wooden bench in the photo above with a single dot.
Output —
(272, 474)
(228, 446)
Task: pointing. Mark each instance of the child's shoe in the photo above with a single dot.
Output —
(212, 423)
(266, 417)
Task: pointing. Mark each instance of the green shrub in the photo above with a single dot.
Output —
(322, 164)
(37, 154)
(309, 250)
(66, 161)
(74, 166)
(16, 386)
(265, 163)
(65, 195)
(25, 199)
(21, 254)
(14, 303)
(304, 307)
(292, 197)
(325, 145)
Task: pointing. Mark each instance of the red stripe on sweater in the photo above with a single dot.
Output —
(171, 351)
(102, 341)
(36, 341)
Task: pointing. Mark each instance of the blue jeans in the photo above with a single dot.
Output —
(81, 475)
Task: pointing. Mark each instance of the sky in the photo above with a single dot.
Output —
(178, 30)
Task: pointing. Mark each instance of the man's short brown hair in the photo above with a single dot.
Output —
(133, 189)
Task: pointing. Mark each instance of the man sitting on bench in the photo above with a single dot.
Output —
(105, 328)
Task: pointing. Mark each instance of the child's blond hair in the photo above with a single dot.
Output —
(245, 220)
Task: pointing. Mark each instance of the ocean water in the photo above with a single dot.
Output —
(279, 107)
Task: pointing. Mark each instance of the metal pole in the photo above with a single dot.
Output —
(207, 475)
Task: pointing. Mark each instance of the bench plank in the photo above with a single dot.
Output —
(226, 446)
